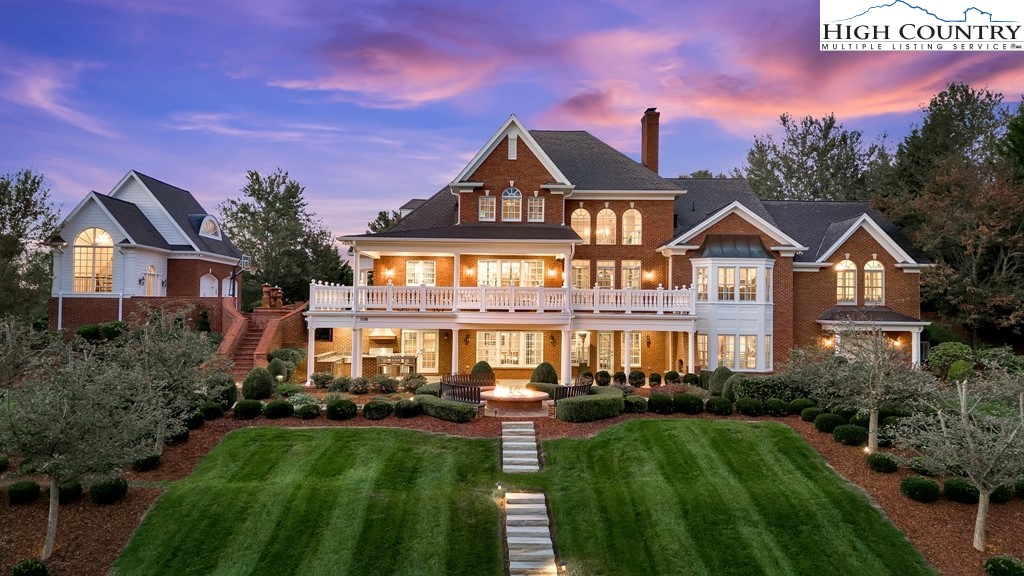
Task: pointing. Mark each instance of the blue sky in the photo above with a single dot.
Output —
(368, 104)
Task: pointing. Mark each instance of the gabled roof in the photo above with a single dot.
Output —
(515, 127)
(706, 196)
(133, 222)
(438, 211)
(591, 164)
(733, 246)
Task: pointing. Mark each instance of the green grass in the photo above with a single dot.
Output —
(701, 497)
(317, 502)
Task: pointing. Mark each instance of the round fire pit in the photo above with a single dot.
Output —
(514, 402)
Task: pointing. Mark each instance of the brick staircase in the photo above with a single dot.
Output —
(246, 348)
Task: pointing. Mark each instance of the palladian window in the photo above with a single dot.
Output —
(632, 227)
(606, 227)
(511, 205)
(874, 282)
(94, 261)
(580, 223)
(846, 282)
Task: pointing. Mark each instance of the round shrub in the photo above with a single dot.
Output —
(220, 388)
(341, 409)
(301, 400)
(359, 385)
(339, 384)
(1004, 565)
(634, 404)
(920, 489)
(960, 490)
(850, 434)
(377, 410)
(828, 422)
(717, 380)
(654, 379)
(22, 492)
(800, 404)
(960, 370)
(923, 466)
(179, 437)
(691, 379)
(672, 377)
(258, 384)
(147, 463)
(637, 378)
(688, 403)
(212, 411)
(384, 384)
(278, 409)
(809, 414)
(882, 462)
(321, 379)
(1002, 494)
(730, 386)
(719, 406)
(307, 411)
(413, 382)
(749, 406)
(776, 407)
(5, 463)
(248, 409)
(482, 367)
(619, 378)
(545, 373)
(660, 403)
(195, 420)
(861, 419)
(108, 491)
(30, 567)
(1018, 487)
(282, 368)
(845, 412)
(69, 492)
(406, 408)
(603, 378)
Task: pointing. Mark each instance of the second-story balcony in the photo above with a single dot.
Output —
(351, 299)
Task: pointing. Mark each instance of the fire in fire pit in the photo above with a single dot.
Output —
(510, 401)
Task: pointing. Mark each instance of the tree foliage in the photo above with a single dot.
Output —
(1012, 145)
(704, 173)
(815, 159)
(384, 221)
(287, 242)
(27, 220)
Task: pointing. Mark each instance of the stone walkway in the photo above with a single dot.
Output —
(530, 552)
(519, 447)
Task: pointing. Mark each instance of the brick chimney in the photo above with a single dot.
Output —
(649, 139)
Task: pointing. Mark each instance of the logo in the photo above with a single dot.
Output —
(921, 25)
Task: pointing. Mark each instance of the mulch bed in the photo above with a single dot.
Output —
(90, 537)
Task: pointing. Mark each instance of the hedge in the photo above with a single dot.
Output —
(634, 404)
(248, 409)
(258, 384)
(765, 387)
(776, 407)
(545, 373)
(882, 462)
(1004, 565)
(212, 410)
(688, 403)
(1002, 494)
(544, 387)
(749, 406)
(810, 414)
(719, 406)
(278, 409)
(447, 410)
(432, 389)
(307, 411)
(71, 491)
(30, 567)
(729, 388)
(828, 422)
(108, 491)
(407, 408)
(960, 490)
(850, 434)
(800, 404)
(920, 489)
(605, 403)
(377, 410)
(341, 409)
(22, 492)
(660, 404)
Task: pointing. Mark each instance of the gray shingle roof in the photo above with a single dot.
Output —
(590, 164)
(868, 314)
(133, 222)
(705, 196)
(733, 246)
(438, 211)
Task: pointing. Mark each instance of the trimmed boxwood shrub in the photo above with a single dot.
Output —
(765, 387)
(960, 490)
(341, 409)
(691, 379)
(719, 406)
(307, 411)
(810, 414)
(619, 378)
(1018, 487)
(654, 379)
(1002, 494)
(776, 407)
(672, 377)
(544, 387)
(447, 410)
(828, 422)
(637, 378)
(212, 411)
(688, 403)
(920, 489)
(179, 437)
(606, 403)
(108, 491)
(71, 491)
(731, 385)
(844, 411)
(195, 420)
(377, 410)
(603, 378)
(278, 409)
(258, 384)
(749, 406)
(248, 409)
(30, 567)
(634, 404)
(544, 372)
(406, 408)
(660, 403)
(147, 463)
(800, 404)
(717, 379)
(22, 492)
(5, 463)
(850, 434)
(280, 367)
(321, 379)
(482, 367)
(432, 389)
(1004, 565)
(882, 462)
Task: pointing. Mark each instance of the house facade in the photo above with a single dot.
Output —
(145, 243)
(552, 246)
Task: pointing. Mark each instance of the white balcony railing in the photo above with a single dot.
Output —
(334, 298)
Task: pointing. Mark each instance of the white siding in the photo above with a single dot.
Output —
(90, 216)
(138, 263)
(132, 191)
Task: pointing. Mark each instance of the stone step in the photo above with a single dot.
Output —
(526, 520)
(538, 531)
(528, 542)
(532, 555)
(524, 498)
(520, 468)
(518, 444)
(517, 461)
(532, 568)
(507, 425)
(517, 432)
(528, 508)
(519, 451)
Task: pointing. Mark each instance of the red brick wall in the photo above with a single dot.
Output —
(81, 311)
(183, 276)
(393, 268)
(526, 171)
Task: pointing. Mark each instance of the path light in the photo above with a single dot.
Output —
(561, 568)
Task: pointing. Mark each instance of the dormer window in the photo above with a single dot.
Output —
(511, 205)
(210, 228)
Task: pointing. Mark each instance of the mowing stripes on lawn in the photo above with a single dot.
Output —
(716, 498)
(335, 501)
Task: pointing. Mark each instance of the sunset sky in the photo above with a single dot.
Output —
(368, 104)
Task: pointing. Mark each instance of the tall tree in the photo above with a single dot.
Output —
(1012, 145)
(27, 219)
(288, 244)
(384, 221)
(703, 173)
(815, 159)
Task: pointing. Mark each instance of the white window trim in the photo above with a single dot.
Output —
(853, 291)
(421, 368)
(480, 212)
(638, 228)
(529, 202)
(586, 234)
(411, 264)
(612, 233)
(881, 286)
(514, 197)
(494, 359)
(597, 275)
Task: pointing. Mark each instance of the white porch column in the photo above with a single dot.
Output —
(566, 357)
(457, 275)
(455, 350)
(670, 335)
(357, 352)
(627, 350)
(915, 348)
(310, 358)
(690, 337)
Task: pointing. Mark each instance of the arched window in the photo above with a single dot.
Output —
(606, 227)
(151, 280)
(511, 205)
(874, 282)
(846, 282)
(580, 222)
(94, 261)
(632, 227)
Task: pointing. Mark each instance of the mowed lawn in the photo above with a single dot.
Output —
(696, 497)
(276, 502)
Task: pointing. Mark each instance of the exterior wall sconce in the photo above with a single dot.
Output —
(551, 339)
(470, 271)
(648, 275)
(466, 339)
(551, 272)
(389, 273)
(648, 340)
(142, 280)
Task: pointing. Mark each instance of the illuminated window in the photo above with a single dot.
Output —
(487, 207)
(510, 349)
(210, 228)
(580, 222)
(581, 274)
(535, 209)
(94, 261)
(726, 283)
(702, 286)
(510, 273)
(632, 227)
(748, 352)
(748, 284)
(631, 274)
(511, 205)
(702, 350)
(768, 285)
(606, 273)
(768, 352)
(874, 282)
(420, 273)
(846, 282)
(727, 350)
(606, 227)
(634, 347)
(605, 351)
